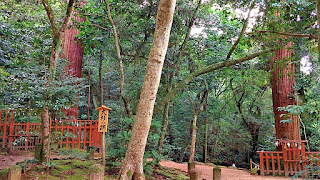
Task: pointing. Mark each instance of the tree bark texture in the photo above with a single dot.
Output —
(133, 163)
(73, 52)
(45, 134)
(193, 137)
(282, 71)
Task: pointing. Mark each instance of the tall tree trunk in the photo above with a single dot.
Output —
(282, 70)
(133, 163)
(73, 52)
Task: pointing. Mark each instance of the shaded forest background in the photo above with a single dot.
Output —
(216, 70)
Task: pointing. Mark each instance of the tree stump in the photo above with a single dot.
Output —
(216, 173)
(14, 173)
(195, 174)
(191, 166)
(97, 172)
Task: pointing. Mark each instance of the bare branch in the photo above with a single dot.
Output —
(287, 34)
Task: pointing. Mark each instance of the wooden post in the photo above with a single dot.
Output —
(191, 166)
(195, 174)
(102, 127)
(14, 173)
(103, 149)
(216, 173)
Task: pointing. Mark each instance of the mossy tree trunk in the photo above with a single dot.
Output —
(133, 163)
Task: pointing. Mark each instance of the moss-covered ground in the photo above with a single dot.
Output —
(79, 169)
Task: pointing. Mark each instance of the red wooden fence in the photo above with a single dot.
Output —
(291, 160)
(64, 133)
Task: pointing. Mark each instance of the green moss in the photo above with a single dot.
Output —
(82, 164)
(171, 174)
(4, 173)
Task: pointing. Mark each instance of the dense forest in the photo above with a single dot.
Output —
(235, 75)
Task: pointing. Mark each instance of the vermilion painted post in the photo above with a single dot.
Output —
(55, 136)
(273, 164)
(11, 131)
(267, 163)
(5, 128)
(26, 141)
(73, 133)
(90, 134)
(61, 140)
(278, 162)
(67, 145)
(261, 163)
(85, 135)
(79, 133)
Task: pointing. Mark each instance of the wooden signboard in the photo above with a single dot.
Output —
(103, 118)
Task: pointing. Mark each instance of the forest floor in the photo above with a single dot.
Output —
(6, 160)
(226, 173)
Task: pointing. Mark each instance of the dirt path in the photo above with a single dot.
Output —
(226, 174)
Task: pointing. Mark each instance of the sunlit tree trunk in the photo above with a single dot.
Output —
(133, 163)
(282, 81)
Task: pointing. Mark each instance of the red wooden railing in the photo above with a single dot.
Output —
(291, 160)
(64, 133)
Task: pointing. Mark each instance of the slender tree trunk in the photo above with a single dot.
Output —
(45, 134)
(89, 92)
(117, 46)
(165, 122)
(282, 93)
(101, 80)
(165, 117)
(133, 163)
(193, 137)
(184, 150)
